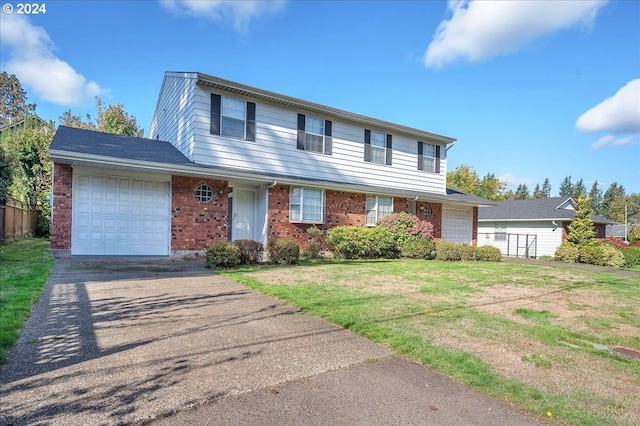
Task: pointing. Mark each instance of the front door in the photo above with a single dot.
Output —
(243, 214)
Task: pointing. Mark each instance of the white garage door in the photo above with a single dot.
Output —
(457, 225)
(120, 215)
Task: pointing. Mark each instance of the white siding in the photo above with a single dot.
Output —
(173, 118)
(548, 237)
(275, 151)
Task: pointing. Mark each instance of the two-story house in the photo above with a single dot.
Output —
(225, 161)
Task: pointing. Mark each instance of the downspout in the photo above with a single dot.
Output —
(450, 146)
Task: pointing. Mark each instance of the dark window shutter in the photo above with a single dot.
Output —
(367, 145)
(420, 154)
(251, 122)
(437, 158)
(301, 135)
(216, 103)
(389, 150)
(328, 140)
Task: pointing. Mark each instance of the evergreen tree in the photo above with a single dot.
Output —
(566, 188)
(13, 100)
(579, 190)
(522, 192)
(537, 192)
(546, 188)
(595, 195)
(614, 192)
(5, 177)
(581, 228)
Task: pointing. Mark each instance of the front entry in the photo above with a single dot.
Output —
(243, 216)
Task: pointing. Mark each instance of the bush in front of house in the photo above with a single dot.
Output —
(283, 250)
(418, 247)
(567, 252)
(631, 257)
(250, 251)
(222, 255)
(316, 242)
(404, 225)
(446, 250)
(467, 252)
(488, 254)
(355, 242)
(611, 256)
(590, 253)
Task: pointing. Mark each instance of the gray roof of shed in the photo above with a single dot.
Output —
(533, 209)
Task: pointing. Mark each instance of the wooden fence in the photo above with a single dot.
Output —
(17, 221)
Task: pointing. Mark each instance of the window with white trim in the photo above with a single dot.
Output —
(377, 147)
(429, 157)
(378, 207)
(500, 231)
(306, 205)
(314, 134)
(233, 114)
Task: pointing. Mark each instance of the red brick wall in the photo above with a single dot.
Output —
(436, 216)
(61, 224)
(196, 225)
(342, 209)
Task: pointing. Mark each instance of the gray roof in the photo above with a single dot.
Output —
(533, 209)
(456, 195)
(80, 141)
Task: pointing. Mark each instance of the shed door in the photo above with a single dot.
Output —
(457, 225)
(120, 215)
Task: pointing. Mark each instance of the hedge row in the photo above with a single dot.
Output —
(599, 253)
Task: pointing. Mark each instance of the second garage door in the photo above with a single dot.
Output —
(120, 215)
(457, 225)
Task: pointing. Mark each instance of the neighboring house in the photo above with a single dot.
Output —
(618, 231)
(32, 121)
(245, 163)
(531, 228)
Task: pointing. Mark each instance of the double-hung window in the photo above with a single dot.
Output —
(500, 231)
(306, 205)
(377, 147)
(314, 134)
(378, 207)
(429, 157)
(233, 117)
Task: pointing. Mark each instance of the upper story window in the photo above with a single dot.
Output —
(306, 205)
(233, 117)
(377, 147)
(314, 134)
(378, 207)
(429, 157)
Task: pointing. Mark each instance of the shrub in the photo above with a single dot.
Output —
(418, 247)
(611, 256)
(634, 233)
(354, 242)
(43, 226)
(488, 254)
(615, 242)
(631, 257)
(404, 225)
(249, 251)
(567, 252)
(446, 250)
(283, 250)
(316, 242)
(467, 252)
(590, 253)
(222, 255)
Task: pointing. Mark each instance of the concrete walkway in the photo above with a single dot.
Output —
(165, 341)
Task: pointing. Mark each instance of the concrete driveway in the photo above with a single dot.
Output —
(164, 341)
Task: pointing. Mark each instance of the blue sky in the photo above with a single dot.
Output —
(531, 90)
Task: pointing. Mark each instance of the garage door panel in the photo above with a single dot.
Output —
(457, 225)
(120, 216)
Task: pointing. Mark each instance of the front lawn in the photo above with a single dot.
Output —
(530, 335)
(25, 267)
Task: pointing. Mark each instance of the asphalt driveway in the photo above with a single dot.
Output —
(163, 341)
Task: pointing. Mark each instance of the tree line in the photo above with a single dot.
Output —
(25, 166)
(609, 203)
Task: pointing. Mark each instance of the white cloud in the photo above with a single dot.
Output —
(619, 113)
(241, 13)
(480, 30)
(513, 182)
(32, 60)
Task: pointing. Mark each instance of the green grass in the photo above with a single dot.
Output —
(445, 315)
(25, 267)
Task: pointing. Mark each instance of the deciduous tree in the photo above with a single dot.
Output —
(110, 119)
